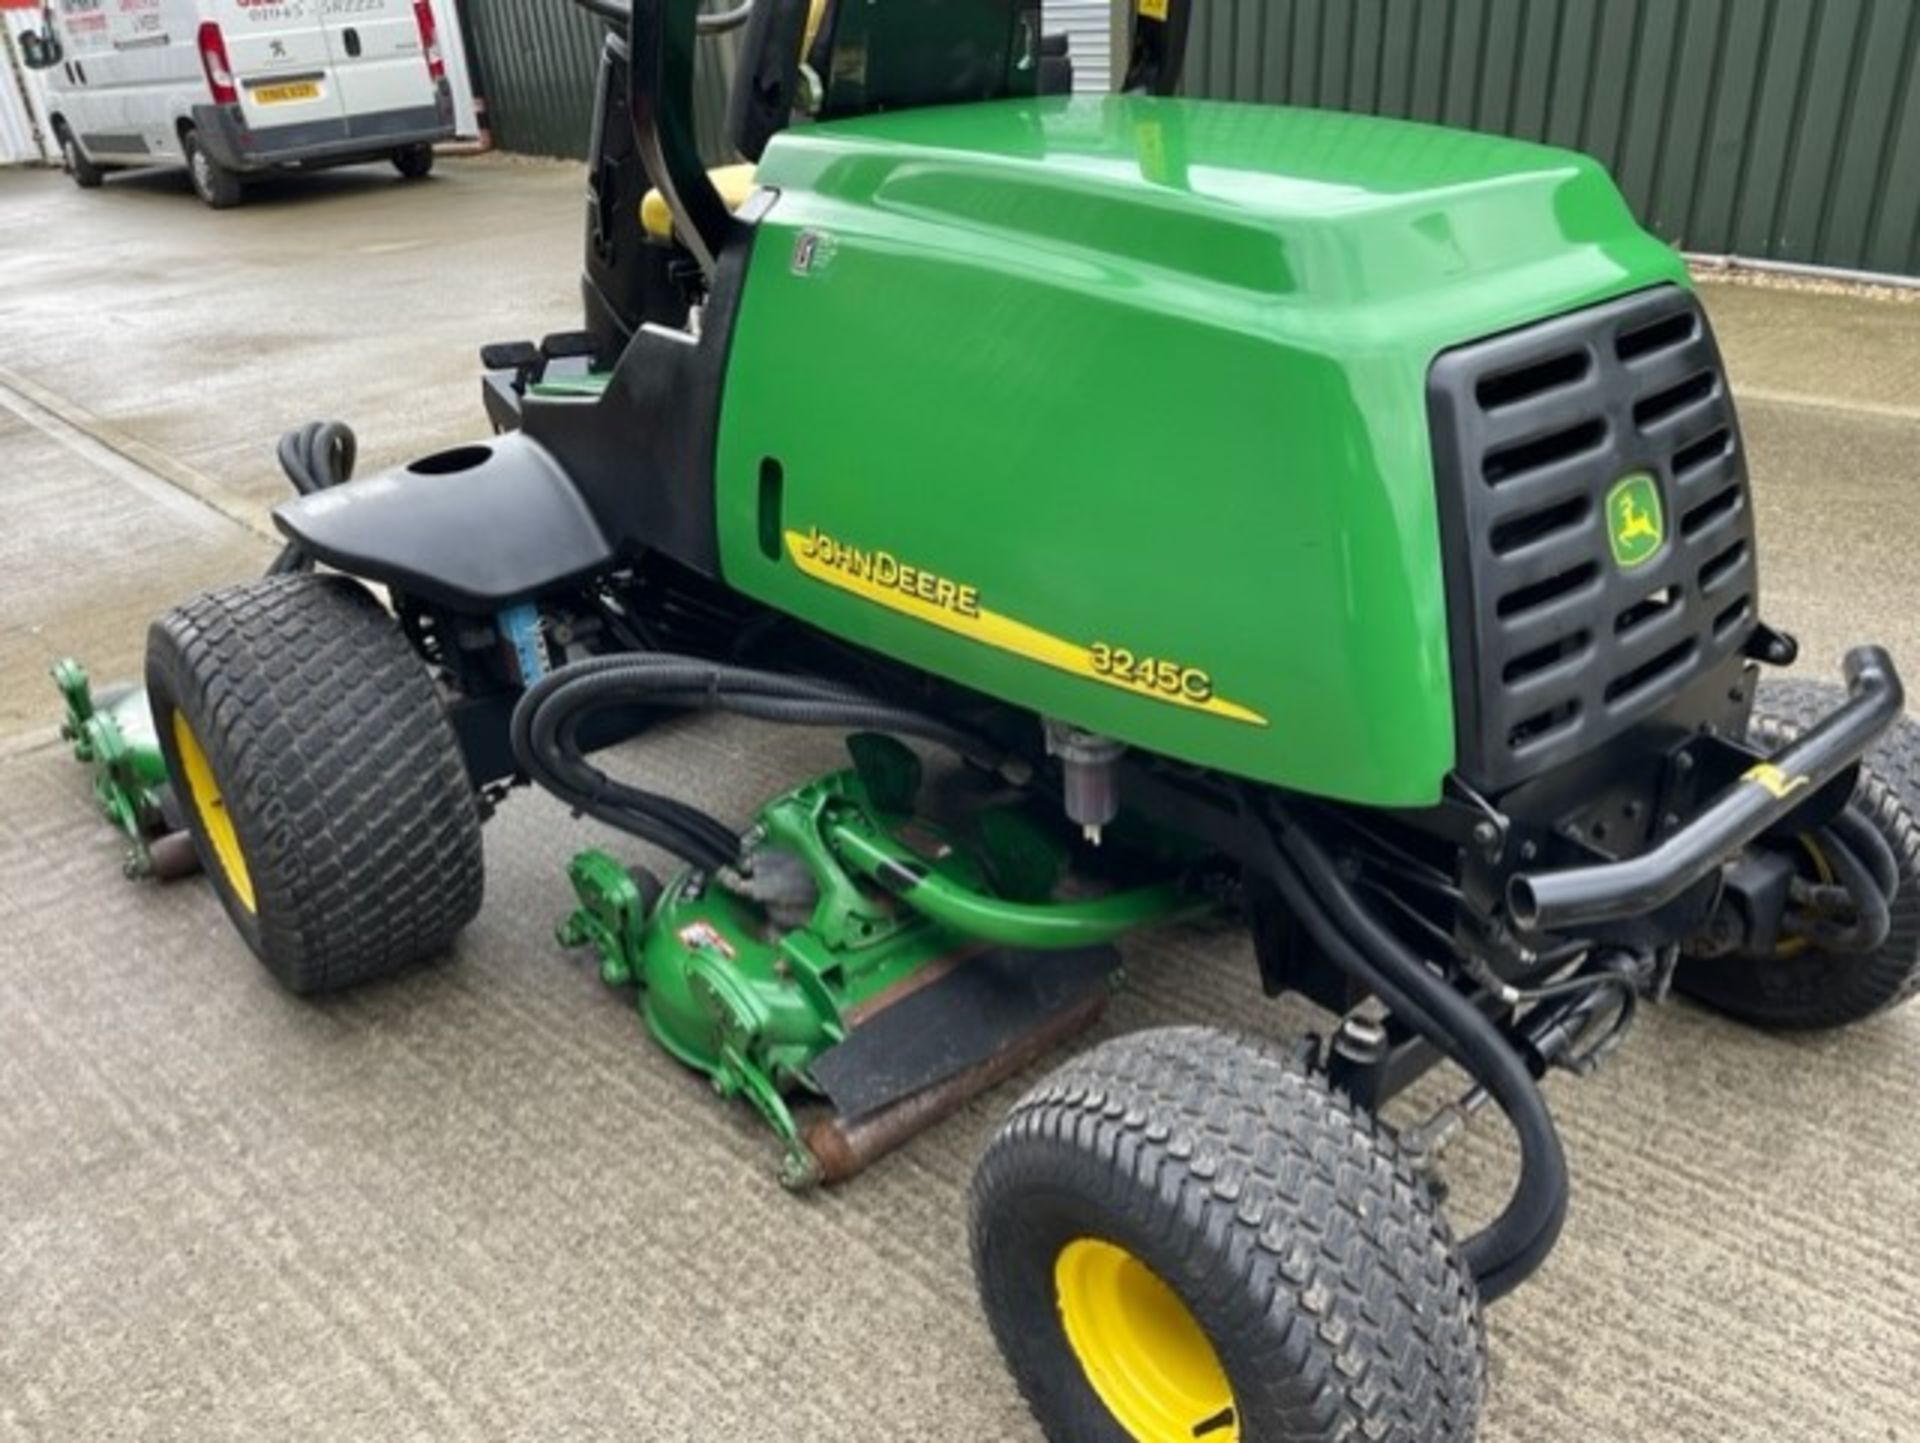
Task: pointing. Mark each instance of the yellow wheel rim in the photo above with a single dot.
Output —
(216, 822)
(1143, 1351)
(1823, 873)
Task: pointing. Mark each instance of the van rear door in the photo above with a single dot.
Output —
(281, 66)
(379, 56)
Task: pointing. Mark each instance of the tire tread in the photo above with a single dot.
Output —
(1278, 1205)
(353, 805)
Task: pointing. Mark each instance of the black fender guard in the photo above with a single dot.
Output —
(477, 528)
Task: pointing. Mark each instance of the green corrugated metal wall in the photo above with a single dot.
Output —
(536, 61)
(1782, 129)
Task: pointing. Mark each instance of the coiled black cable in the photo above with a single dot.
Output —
(314, 456)
(547, 720)
(318, 455)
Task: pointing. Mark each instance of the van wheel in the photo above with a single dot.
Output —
(321, 779)
(212, 181)
(85, 173)
(414, 163)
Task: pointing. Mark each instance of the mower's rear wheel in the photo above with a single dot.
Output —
(1184, 1235)
(1802, 987)
(319, 776)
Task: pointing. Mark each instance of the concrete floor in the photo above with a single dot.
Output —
(475, 1204)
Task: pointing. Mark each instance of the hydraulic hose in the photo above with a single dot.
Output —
(1870, 845)
(1506, 1252)
(547, 720)
(314, 456)
(1872, 902)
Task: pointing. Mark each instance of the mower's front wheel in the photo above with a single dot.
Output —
(1800, 986)
(1184, 1235)
(320, 778)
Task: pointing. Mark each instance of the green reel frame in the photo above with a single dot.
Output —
(852, 902)
(113, 734)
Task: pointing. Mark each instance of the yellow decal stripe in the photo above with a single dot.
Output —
(1776, 783)
(1003, 633)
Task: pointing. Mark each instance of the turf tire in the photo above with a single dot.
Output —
(1315, 1262)
(338, 769)
(1824, 989)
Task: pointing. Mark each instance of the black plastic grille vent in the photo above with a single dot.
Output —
(1556, 645)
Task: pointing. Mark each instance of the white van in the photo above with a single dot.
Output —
(232, 88)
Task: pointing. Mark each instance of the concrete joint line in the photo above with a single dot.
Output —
(1879, 410)
(27, 743)
(160, 477)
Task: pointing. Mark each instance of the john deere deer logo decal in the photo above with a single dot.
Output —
(1636, 527)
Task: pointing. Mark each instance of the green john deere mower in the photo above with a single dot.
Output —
(1329, 523)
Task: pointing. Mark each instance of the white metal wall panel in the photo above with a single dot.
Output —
(453, 51)
(24, 138)
(1088, 25)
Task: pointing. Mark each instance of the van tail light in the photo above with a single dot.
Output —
(213, 59)
(429, 38)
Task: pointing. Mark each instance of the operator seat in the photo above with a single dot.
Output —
(870, 58)
(734, 182)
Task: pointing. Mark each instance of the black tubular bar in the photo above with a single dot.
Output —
(768, 87)
(1158, 52)
(1577, 897)
(661, 39)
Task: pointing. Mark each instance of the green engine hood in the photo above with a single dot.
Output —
(1132, 391)
(1278, 206)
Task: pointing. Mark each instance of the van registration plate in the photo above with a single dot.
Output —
(281, 94)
